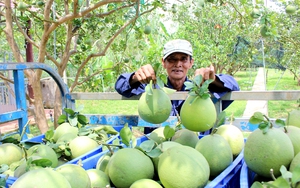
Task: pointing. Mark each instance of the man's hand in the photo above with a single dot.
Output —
(207, 73)
(144, 75)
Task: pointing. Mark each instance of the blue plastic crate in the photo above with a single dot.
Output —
(247, 176)
(230, 177)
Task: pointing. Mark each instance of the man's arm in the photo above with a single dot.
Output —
(125, 87)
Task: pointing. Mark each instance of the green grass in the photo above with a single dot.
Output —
(276, 80)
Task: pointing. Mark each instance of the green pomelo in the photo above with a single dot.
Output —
(145, 183)
(295, 162)
(234, 137)
(76, 175)
(294, 134)
(10, 153)
(183, 166)
(163, 147)
(128, 165)
(98, 178)
(216, 151)
(155, 108)
(290, 9)
(264, 31)
(45, 152)
(270, 150)
(42, 177)
(147, 30)
(157, 135)
(200, 115)
(255, 13)
(186, 137)
(64, 129)
(81, 145)
(66, 138)
(103, 161)
(23, 167)
(293, 118)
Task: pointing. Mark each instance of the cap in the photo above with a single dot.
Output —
(177, 45)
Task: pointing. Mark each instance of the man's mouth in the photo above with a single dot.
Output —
(177, 71)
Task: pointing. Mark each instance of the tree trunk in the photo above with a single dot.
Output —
(39, 113)
(57, 107)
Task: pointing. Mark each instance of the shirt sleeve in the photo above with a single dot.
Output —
(230, 84)
(122, 86)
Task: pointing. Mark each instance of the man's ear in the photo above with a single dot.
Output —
(163, 62)
(192, 63)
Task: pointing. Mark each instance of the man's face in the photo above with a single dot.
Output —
(177, 65)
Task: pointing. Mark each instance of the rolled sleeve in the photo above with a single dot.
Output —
(122, 86)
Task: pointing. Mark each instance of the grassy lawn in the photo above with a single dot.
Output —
(276, 80)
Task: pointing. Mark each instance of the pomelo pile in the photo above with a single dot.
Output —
(23, 159)
(269, 150)
(184, 160)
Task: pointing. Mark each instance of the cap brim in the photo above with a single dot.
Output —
(177, 50)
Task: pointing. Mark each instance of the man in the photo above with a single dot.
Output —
(177, 60)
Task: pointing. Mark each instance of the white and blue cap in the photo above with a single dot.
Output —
(177, 45)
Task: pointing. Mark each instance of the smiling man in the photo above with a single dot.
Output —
(177, 60)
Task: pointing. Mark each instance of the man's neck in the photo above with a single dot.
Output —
(177, 84)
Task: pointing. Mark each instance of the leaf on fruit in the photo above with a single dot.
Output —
(69, 111)
(82, 119)
(149, 89)
(3, 168)
(42, 162)
(256, 118)
(221, 118)
(147, 145)
(110, 130)
(296, 175)
(62, 119)
(154, 153)
(257, 184)
(160, 83)
(281, 182)
(126, 134)
(168, 132)
(285, 173)
(280, 122)
(188, 85)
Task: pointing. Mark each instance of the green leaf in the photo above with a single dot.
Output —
(154, 153)
(42, 162)
(296, 175)
(198, 79)
(10, 140)
(73, 121)
(280, 122)
(69, 111)
(285, 174)
(160, 83)
(82, 119)
(263, 125)
(110, 130)
(2, 182)
(168, 132)
(256, 118)
(3, 168)
(67, 152)
(62, 119)
(126, 134)
(257, 184)
(49, 134)
(281, 182)
(221, 118)
(188, 85)
(133, 141)
(149, 89)
(147, 145)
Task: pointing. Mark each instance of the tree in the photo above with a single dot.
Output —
(67, 33)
